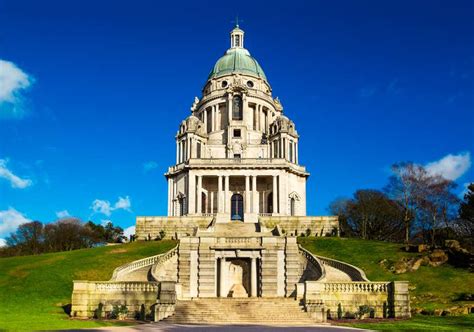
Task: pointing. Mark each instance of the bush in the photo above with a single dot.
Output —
(339, 311)
(308, 232)
(99, 312)
(162, 234)
(363, 310)
(119, 312)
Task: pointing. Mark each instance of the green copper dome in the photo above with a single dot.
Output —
(237, 60)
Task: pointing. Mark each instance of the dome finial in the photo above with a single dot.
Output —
(237, 35)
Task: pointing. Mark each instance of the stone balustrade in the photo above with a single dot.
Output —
(135, 265)
(162, 259)
(356, 287)
(314, 261)
(352, 271)
(87, 295)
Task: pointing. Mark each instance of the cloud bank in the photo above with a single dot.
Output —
(106, 208)
(13, 83)
(15, 180)
(10, 219)
(450, 167)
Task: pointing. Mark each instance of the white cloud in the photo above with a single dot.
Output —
(451, 166)
(105, 207)
(123, 203)
(15, 180)
(148, 166)
(101, 206)
(10, 219)
(13, 81)
(62, 214)
(3, 242)
(129, 231)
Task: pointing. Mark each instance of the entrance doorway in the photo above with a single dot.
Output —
(237, 207)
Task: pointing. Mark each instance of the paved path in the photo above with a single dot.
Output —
(164, 327)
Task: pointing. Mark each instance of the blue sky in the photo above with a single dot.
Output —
(92, 93)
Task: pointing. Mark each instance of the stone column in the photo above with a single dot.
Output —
(222, 283)
(213, 117)
(275, 194)
(177, 152)
(226, 195)
(219, 195)
(253, 280)
(255, 194)
(229, 108)
(191, 193)
(205, 119)
(199, 194)
(212, 202)
(170, 195)
(247, 194)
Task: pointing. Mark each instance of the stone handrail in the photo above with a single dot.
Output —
(162, 259)
(135, 265)
(355, 287)
(314, 261)
(125, 286)
(352, 271)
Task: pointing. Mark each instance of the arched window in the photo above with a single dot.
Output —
(237, 207)
(237, 108)
(292, 206)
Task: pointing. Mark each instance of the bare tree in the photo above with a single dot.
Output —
(406, 187)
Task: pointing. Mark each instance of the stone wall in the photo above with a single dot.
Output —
(177, 227)
(388, 299)
(87, 295)
(174, 227)
(319, 226)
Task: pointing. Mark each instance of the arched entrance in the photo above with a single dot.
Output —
(237, 207)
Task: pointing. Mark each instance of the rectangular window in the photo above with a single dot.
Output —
(237, 133)
(237, 156)
(198, 148)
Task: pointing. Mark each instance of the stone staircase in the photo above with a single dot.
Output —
(269, 311)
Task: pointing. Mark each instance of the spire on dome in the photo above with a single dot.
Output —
(237, 36)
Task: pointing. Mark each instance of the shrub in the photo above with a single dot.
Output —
(99, 312)
(142, 312)
(119, 311)
(339, 311)
(349, 315)
(385, 310)
(162, 234)
(363, 310)
(308, 232)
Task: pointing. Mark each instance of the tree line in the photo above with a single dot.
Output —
(66, 234)
(414, 206)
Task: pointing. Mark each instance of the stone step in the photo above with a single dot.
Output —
(277, 311)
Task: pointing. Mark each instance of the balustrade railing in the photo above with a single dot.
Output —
(352, 271)
(356, 287)
(314, 261)
(126, 286)
(161, 260)
(135, 265)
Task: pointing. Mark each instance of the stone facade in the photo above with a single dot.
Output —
(236, 203)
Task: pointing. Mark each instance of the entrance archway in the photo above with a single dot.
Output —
(237, 207)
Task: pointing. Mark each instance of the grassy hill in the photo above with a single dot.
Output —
(430, 287)
(33, 289)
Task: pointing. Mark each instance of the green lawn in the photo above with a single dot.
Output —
(430, 287)
(33, 289)
(422, 323)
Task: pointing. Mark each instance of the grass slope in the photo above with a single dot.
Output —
(33, 289)
(430, 287)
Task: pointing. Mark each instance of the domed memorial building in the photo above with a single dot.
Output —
(236, 203)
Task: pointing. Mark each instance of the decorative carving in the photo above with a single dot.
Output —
(193, 106)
